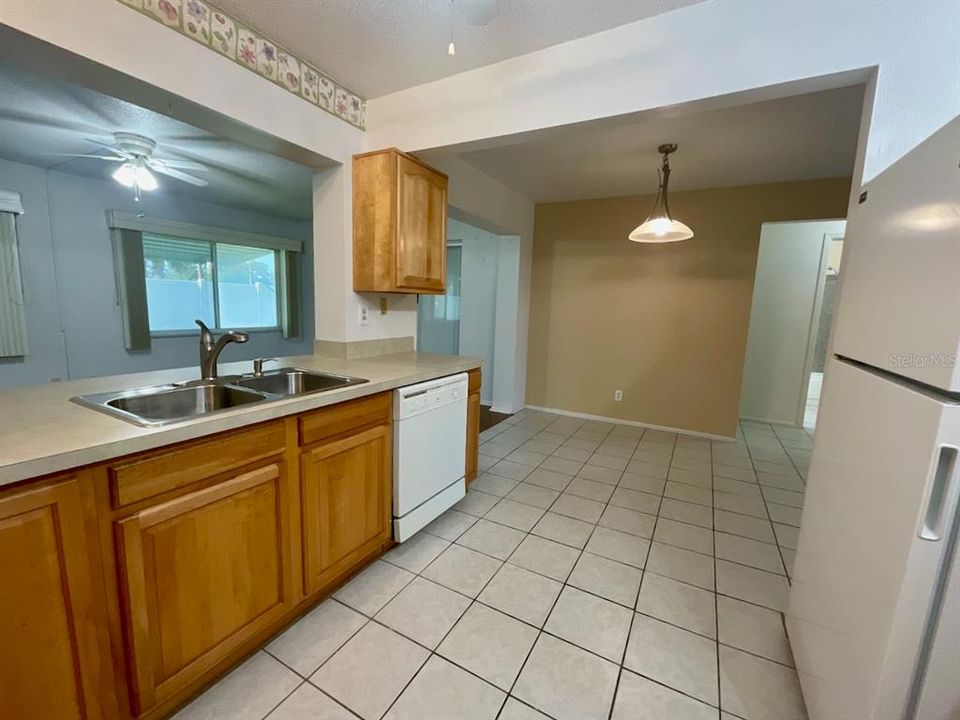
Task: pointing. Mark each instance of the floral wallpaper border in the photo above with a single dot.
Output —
(204, 22)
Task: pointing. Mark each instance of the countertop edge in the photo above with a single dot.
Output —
(41, 466)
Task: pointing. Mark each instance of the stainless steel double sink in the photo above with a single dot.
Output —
(176, 402)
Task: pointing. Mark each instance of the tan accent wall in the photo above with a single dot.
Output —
(667, 324)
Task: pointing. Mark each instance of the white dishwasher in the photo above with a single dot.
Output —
(429, 451)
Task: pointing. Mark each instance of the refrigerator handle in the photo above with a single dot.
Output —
(941, 490)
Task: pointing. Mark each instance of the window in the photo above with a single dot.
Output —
(226, 286)
(13, 327)
(170, 273)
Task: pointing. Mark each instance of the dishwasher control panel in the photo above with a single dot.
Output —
(423, 397)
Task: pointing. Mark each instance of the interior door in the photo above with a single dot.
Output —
(863, 576)
(422, 228)
(346, 502)
(899, 306)
(203, 573)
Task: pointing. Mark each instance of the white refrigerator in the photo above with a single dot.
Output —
(874, 610)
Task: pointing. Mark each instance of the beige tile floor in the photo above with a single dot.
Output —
(593, 571)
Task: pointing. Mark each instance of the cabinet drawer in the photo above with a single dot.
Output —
(335, 420)
(146, 476)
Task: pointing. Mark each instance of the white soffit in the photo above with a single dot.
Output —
(802, 137)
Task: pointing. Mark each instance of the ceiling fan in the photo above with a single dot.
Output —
(135, 152)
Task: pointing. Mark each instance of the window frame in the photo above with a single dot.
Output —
(215, 282)
(126, 238)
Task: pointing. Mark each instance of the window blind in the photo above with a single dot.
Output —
(131, 288)
(13, 326)
(119, 220)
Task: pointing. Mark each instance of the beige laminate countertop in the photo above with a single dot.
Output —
(42, 432)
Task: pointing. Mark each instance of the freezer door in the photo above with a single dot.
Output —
(864, 577)
(899, 307)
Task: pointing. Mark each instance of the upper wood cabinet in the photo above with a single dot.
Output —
(399, 224)
(54, 647)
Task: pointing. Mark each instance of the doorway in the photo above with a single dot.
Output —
(438, 316)
(825, 320)
(789, 321)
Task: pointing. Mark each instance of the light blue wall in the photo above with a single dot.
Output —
(478, 303)
(73, 320)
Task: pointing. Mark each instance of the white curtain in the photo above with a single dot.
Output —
(13, 326)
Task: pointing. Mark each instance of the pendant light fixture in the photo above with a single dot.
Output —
(660, 227)
(451, 48)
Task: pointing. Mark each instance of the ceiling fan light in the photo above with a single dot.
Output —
(126, 175)
(660, 230)
(145, 179)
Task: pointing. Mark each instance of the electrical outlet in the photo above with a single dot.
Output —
(618, 395)
(364, 315)
(383, 306)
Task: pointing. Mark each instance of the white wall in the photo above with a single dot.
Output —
(479, 200)
(708, 50)
(73, 322)
(712, 53)
(784, 318)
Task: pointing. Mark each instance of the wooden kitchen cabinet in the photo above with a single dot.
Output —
(346, 488)
(130, 585)
(55, 658)
(206, 571)
(399, 224)
(473, 425)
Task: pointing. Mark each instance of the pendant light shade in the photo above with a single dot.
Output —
(660, 227)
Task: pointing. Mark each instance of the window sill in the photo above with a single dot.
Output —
(196, 333)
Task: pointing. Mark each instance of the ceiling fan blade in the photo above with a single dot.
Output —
(111, 158)
(177, 164)
(180, 175)
(110, 146)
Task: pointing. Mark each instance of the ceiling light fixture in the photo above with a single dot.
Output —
(660, 227)
(451, 49)
(134, 174)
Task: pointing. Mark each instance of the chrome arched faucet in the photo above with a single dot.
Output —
(210, 349)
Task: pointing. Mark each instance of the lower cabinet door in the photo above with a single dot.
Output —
(202, 573)
(47, 600)
(345, 491)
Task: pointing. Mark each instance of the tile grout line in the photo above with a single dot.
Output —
(716, 588)
(636, 601)
(563, 584)
(770, 518)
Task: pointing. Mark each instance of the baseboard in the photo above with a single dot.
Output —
(782, 423)
(502, 411)
(634, 423)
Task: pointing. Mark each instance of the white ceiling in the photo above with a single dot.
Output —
(376, 47)
(42, 120)
(802, 137)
